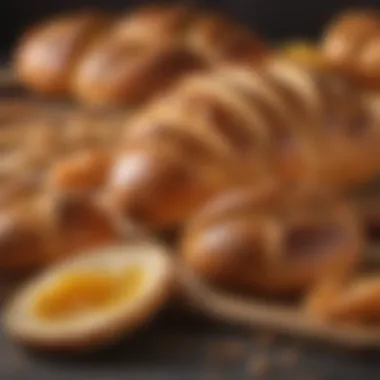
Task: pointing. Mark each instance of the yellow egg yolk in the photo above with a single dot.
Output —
(82, 294)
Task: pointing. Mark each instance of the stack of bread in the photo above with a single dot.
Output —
(249, 154)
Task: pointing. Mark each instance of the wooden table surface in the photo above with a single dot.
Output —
(181, 347)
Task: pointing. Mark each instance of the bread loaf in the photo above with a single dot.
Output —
(242, 127)
(115, 61)
(270, 241)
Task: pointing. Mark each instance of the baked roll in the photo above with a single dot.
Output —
(39, 229)
(268, 241)
(126, 60)
(220, 41)
(47, 53)
(351, 43)
(139, 55)
(241, 127)
(116, 74)
(83, 172)
(354, 301)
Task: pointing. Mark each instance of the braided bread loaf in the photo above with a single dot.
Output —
(352, 45)
(238, 126)
(105, 60)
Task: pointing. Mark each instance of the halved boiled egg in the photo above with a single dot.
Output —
(93, 299)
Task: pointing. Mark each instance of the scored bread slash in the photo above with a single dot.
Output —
(92, 300)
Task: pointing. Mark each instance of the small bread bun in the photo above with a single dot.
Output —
(41, 229)
(258, 241)
(47, 54)
(130, 63)
(157, 188)
(23, 247)
(81, 172)
(129, 58)
(222, 41)
(154, 23)
(80, 222)
(351, 45)
(117, 73)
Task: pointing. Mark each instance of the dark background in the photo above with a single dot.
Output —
(273, 18)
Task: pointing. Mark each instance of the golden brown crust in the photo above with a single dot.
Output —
(99, 47)
(232, 127)
(34, 139)
(130, 64)
(167, 22)
(187, 144)
(351, 45)
(47, 54)
(280, 249)
(81, 223)
(157, 188)
(22, 246)
(40, 229)
(83, 172)
(349, 302)
(132, 58)
(239, 127)
(219, 40)
(116, 74)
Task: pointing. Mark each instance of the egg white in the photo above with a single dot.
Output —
(96, 329)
